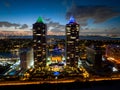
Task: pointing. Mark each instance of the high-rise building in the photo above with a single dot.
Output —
(39, 43)
(72, 42)
(94, 57)
(26, 58)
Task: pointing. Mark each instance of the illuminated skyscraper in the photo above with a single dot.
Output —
(39, 43)
(72, 42)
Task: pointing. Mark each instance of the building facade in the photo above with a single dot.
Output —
(94, 57)
(39, 43)
(72, 42)
(26, 58)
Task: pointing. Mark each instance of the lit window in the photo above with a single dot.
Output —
(77, 27)
(38, 41)
(38, 28)
(68, 57)
(39, 47)
(34, 40)
(73, 37)
(68, 33)
(38, 34)
(39, 50)
(39, 55)
(77, 39)
(70, 41)
(68, 28)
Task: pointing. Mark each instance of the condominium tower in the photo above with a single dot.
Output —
(72, 42)
(39, 43)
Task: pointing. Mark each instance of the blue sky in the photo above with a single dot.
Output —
(93, 15)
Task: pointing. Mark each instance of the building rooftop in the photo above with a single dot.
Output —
(72, 20)
(40, 20)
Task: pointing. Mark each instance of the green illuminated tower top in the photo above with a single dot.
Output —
(40, 20)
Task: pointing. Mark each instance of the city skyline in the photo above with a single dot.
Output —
(100, 17)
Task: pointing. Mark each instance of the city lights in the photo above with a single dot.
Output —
(70, 57)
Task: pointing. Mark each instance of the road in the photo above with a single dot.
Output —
(5, 83)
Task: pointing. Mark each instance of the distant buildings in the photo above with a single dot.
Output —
(72, 42)
(8, 57)
(39, 43)
(113, 51)
(94, 57)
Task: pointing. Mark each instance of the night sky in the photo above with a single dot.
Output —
(94, 16)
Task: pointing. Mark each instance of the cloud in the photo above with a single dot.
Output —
(24, 26)
(53, 24)
(8, 24)
(15, 25)
(97, 13)
(54, 28)
(47, 19)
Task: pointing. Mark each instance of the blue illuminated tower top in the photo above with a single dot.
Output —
(72, 20)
